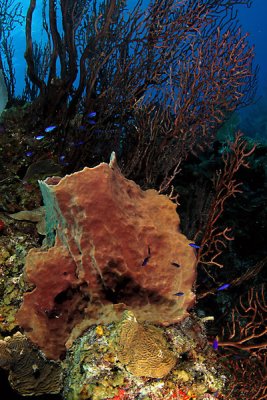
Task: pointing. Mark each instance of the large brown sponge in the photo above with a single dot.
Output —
(115, 245)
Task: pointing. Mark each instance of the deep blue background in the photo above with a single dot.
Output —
(254, 21)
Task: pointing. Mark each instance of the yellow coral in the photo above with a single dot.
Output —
(99, 330)
(143, 348)
(182, 375)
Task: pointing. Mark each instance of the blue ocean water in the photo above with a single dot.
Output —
(253, 20)
(252, 120)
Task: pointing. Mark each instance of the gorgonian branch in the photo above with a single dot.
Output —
(213, 239)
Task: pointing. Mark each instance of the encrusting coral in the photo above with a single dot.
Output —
(143, 348)
(117, 247)
(118, 361)
(29, 372)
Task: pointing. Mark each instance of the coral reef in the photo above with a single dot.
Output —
(29, 372)
(95, 369)
(116, 247)
(143, 349)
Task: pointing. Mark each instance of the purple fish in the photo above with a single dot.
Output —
(223, 287)
(215, 344)
(50, 128)
(91, 122)
(29, 153)
(179, 294)
(194, 245)
(91, 114)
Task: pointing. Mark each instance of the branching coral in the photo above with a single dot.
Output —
(243, 340)
(213, 240)
(247, 329)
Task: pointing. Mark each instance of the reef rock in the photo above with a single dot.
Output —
(116, 247)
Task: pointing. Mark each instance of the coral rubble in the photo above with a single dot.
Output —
(116, 247)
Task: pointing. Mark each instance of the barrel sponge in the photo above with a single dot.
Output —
(117, 247)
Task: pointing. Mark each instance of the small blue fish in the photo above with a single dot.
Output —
(194, 245)
(223, 287)
(62, 158)
(215, 344)
(29, 153)
(91, 114)
(179, 294)
(82, 128)
(91, 122)
(39, 137)
(50, 128)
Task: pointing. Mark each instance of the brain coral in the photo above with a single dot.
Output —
(143, 348)
(116, 247)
